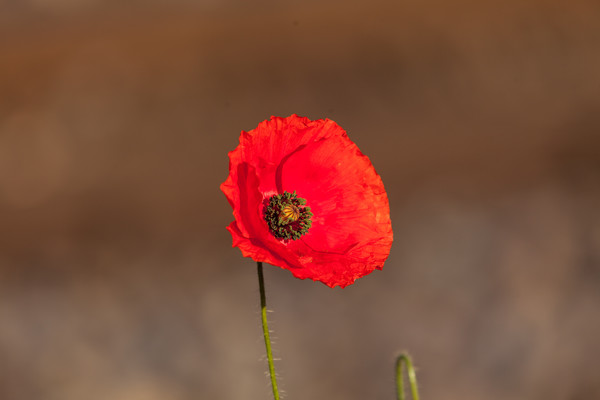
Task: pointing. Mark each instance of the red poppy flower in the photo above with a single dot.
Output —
(306, 199)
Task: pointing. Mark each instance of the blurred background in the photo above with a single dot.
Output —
(117, 276)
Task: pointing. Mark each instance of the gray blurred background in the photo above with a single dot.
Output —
(117, 276)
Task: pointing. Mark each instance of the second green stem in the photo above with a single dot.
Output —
(404, 359)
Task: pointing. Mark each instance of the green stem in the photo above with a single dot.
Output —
(412, 378)
(263, 312)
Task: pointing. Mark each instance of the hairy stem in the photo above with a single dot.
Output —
(263, 312)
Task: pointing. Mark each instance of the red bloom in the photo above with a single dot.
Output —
(306, 199)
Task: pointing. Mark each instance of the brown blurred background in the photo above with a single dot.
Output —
(117, 279)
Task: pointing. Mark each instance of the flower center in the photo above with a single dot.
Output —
(290, 213)
(286, 215)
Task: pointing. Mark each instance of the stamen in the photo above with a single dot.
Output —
(286, 215)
